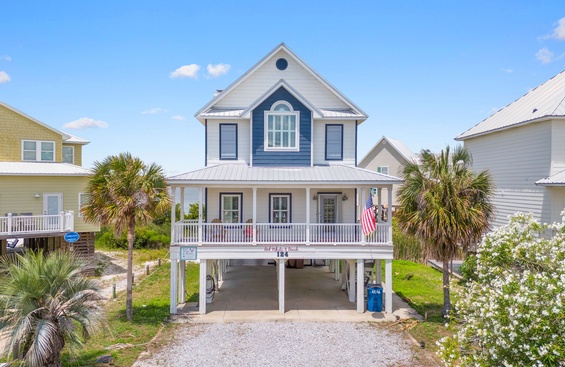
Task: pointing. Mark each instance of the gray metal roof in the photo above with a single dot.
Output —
(223, 112)
(545, 101)
(399, 146)
(41, 169)
(244, 174)
(557, 179)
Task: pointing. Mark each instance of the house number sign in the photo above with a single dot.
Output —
(282, 251)
(188, 253)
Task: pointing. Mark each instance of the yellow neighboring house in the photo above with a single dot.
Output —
(42, 185)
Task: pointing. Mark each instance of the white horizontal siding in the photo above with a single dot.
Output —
(557, 203)
(319, 140)
(557, 146)
(213, 141)
(516, 159)
(267, 75)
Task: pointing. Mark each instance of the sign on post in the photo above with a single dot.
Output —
(188, 253)
(72, 237)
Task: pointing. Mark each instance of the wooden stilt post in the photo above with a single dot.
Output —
(202, 287)
(173, 294)
(281, 283)
(360, 286)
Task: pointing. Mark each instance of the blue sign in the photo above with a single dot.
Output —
(72, 237)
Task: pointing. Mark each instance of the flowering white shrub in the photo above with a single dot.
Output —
(514, 314)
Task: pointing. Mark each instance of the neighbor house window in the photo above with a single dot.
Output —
(334, 142)
(33, 150)
(231, 207)
(83, 199)
(383, 170)
(280, 208)
(69, 154)
(282, 131)
(228, 141)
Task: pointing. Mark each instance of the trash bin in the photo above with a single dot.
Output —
(375, 298)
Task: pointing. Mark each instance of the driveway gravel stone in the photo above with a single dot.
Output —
(286, 344)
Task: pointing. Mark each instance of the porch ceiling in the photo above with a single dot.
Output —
(243, 174)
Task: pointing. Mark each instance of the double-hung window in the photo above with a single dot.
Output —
(228, 141)
(231, 207)
(282, 127)
(383, 170)
(83, 199)
(36, 150)
(334, 142)
(68, 154)
(280, 208)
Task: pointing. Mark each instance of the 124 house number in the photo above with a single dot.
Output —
(282, 253)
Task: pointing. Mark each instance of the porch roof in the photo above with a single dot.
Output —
(244, 174)
(557, 179)
(41, 169)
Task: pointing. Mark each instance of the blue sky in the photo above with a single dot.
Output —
(424, 71)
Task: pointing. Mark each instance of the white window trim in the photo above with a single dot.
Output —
(239, 210)
(63, 154)
(296, 148)
(80, 205)
(288, 210)
(380, 169)
(38, 150)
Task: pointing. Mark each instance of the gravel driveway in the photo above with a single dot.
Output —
(286, 344)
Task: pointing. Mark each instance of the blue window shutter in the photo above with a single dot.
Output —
(228, 141)
(334, 142)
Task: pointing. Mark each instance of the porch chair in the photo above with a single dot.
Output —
(217, 232)
(248, 230)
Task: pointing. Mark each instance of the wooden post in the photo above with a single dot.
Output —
(336, 269)
(360, 286)
(308, 216)
(182, 281)
(173, 292)
(281, 283)
(388, 290)
(351, 280)
(202, 287)
(379, 271)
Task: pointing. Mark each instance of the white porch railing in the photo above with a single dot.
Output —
(29, 224)
(188, 232)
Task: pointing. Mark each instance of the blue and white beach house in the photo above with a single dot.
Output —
(281, 183)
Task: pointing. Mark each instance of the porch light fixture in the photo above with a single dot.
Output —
(37, 195)
(315, 197)
(344, 197)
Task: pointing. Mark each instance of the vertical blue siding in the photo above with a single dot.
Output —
(269, 158)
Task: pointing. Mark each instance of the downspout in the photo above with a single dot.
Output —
(205, 142)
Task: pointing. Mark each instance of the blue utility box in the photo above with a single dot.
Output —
(375, 298)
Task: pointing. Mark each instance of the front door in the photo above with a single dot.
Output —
(52, 205)
(328, 208)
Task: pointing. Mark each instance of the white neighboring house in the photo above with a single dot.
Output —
(280, 181)
(388, 156)
(523, 147)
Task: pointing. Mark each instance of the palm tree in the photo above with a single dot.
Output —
(124, 191)
(45, 304)
(445, 205)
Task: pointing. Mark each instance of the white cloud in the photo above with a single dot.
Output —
(544, 56)
(84, 123)
(559, 31)
(153, 111)
(4, 77)
(7, 58)
(507, 70)
(218, 69)
(186, 71)
(178, 118)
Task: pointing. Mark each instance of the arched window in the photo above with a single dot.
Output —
(282, 127)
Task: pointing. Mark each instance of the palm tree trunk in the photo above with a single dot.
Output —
(129, 290)
(446, 297)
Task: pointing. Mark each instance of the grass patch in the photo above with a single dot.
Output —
(150, 314)
(422, 287)
(140, 256)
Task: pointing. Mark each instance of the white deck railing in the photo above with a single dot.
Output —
(28, 224)
(190, 232)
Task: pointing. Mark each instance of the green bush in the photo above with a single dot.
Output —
(469, 268)
(406, 247)
(151, 236)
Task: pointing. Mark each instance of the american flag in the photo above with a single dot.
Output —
(368, 222)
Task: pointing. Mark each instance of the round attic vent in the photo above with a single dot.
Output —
(281, 64)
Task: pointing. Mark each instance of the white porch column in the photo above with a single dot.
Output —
(351, 280)
(173, 214)
(254, 216)
(202, 287)
(379, 204)
(360, 286)
(336, 269)
(388, 290)
(182, 281)
(389, 215)
(362, 205)
(200, 215)
(281, 283)
(307, 216)
(182, 208)
(379, 271)
(173, 292)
